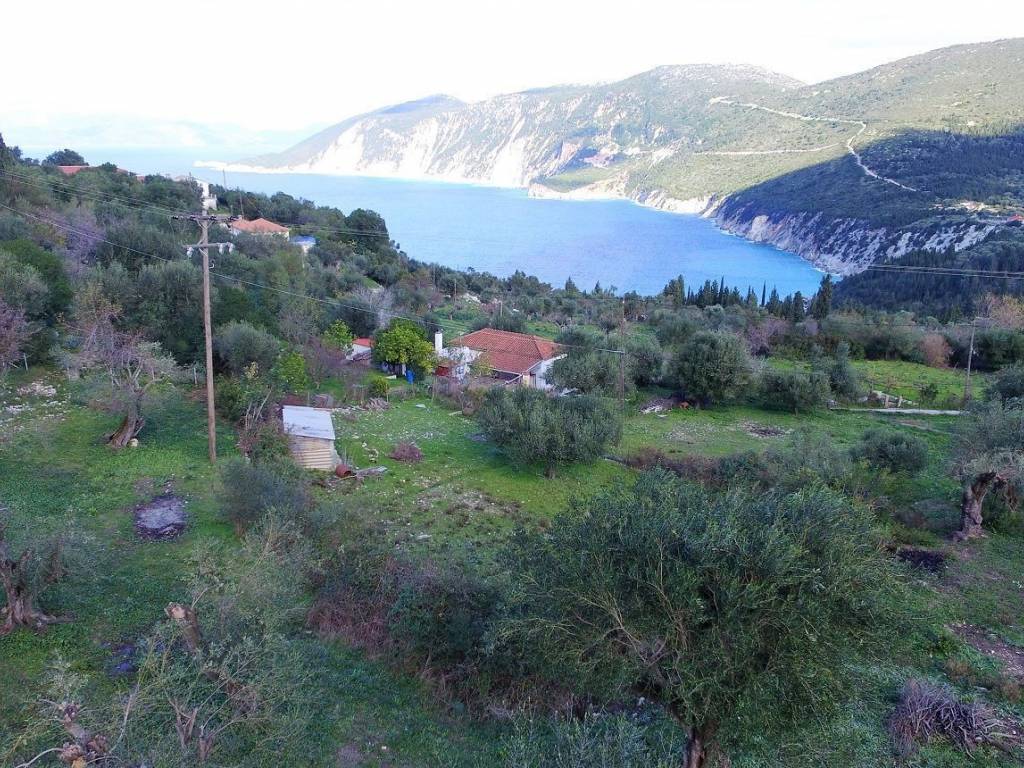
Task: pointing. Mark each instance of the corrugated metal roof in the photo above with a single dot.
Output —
(307, 422)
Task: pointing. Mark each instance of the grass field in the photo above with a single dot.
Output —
(56, 472)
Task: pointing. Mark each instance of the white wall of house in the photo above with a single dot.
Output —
(539, 373)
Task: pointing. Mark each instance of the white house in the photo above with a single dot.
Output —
(517, 358)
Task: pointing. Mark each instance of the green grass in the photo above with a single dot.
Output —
(903, 379)
(54, 469)
(463, 491)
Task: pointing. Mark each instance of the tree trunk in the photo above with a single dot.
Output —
(130, 426)
(697, 747)
(973, 499)
(21, 609)
(549, 471)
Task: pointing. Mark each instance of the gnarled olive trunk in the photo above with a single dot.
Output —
(973, 499)
(21, 609)
(130, 427)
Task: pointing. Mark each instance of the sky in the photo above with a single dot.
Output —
(264, 74)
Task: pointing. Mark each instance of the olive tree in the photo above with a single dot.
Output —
(988, 455)
(131, 366)
(716, 606)
(711, 366)
(534, 428)
(25, 576)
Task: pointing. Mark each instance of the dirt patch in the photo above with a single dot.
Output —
(1010, 656)
(764, 430)
(926, 559)
(162, 518)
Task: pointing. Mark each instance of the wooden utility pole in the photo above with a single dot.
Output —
(203, 220)
(970, 359)
(622, 359)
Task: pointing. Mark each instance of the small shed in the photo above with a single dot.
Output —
(310, 434)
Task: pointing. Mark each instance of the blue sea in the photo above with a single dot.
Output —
(617, 243)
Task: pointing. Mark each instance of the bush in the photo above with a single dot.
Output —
(793, 391)
(443, 614)
(711, 367)
(379, 386)
(893, 451)
(1007, 384)
(842, 378)
(289, 372)
(251, 490)
(535, 428)
(622, 594)
(409, 452)
(618, 740)
(239, 344)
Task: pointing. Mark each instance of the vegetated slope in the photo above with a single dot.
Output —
(942, 284)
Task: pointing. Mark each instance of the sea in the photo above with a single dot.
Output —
(619, 244)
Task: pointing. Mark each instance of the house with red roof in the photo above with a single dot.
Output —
(259, 227)
(515, 358)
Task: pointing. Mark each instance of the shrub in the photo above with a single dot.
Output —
(712, 366)
(1007, 384)
(926, 712)
(443, 614)
(409, 452)
(289, 372)
(239, 344)
(793, 391)
(892, 450)
(622, 594)
(535, 428)
(251, 490)
(842, 378)
(379, 386)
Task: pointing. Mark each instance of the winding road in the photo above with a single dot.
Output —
(861, 127)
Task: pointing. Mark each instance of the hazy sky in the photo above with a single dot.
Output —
(286, 66)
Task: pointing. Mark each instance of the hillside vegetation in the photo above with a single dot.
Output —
(709, 544)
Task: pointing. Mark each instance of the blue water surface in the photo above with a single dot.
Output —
(617, 243)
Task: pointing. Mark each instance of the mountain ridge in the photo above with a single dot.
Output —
(691, 138)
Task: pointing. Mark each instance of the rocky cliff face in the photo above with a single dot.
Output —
(848, 246)
(515, 139)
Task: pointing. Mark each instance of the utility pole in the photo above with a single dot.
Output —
(622, 359)
(203, 220)
(970, 359)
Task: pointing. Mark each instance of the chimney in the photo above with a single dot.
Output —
(438, 342)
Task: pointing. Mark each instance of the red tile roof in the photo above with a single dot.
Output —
(362, 341)
(71, 170)
(258, 227)
(509, 352)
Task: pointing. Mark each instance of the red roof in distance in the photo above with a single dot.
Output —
(259, 226)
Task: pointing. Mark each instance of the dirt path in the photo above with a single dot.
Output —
(861, 127)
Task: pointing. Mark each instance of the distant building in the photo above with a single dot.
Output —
(515, 358)
(310, 433)
(209, 199)
(259, 227)
(361, 350)
(305, 242)
(71, 170)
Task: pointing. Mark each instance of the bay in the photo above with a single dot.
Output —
(614, 242)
